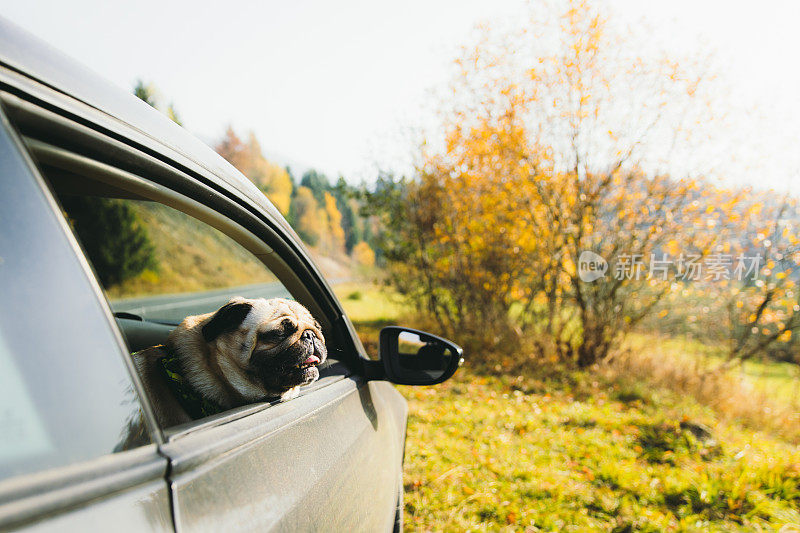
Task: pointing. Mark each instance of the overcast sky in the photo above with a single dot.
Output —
(329, 84)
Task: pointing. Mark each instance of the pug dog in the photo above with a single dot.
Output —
(250, 350)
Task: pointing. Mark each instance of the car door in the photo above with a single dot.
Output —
(328, 460)
(68, 459)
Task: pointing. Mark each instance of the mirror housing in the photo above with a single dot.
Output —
(413, 357)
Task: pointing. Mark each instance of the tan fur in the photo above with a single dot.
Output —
(219, 370)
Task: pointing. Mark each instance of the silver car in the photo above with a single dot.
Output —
(328, 460)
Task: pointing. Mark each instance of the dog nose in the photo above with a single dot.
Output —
(308, 335)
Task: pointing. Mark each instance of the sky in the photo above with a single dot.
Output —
(333, 85)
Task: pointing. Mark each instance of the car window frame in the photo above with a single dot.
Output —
(49, 154)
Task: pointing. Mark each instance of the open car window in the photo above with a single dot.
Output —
(158, 264)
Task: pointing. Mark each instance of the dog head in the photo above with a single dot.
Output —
(254, 348)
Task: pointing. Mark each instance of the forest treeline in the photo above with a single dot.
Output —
(324, 214)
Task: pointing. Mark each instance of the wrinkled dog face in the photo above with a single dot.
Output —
(276, 342)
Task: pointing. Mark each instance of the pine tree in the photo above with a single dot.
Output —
(116, 243)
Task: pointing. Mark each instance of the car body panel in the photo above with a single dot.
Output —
(132, 496)
(340, 474)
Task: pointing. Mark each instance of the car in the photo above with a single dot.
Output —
(92, 182)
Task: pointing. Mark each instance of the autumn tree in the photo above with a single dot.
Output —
(556, 139)
(232, 149)
(173, 115)
(145, 92)
(755, 308)
(324, 216)
(364, 255)
(317, 183)
(306, 216)
(334, 218)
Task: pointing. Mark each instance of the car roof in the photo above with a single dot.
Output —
(35, 59)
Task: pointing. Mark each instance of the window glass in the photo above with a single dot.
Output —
(65, 393)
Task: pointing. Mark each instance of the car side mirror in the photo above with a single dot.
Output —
(412, 357)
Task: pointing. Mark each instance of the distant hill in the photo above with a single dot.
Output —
(193, 257)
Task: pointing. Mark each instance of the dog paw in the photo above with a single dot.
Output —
(294, 392)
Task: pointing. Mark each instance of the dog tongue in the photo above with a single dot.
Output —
(312, 360)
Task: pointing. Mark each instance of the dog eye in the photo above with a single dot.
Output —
(284, 329)
(271, 337)
(288, 327)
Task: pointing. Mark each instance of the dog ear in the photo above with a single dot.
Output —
(228, 318)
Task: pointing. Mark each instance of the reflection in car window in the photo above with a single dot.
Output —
(65, 394)
(161, 264)
(22, 432)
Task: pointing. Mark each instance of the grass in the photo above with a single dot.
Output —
(584, 452)
(365, 303)
(191, 256)
(778, 379)
(493, 453)
(758, 395)
(370, 311)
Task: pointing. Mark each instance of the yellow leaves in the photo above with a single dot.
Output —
(786, 336)
(673, 248)
(334, 223)
(755, 209)
(364, 254)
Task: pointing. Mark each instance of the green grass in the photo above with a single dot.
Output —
(373, 309)
(488, 453)
(781, 380)
(365, 303)
(579, 453)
